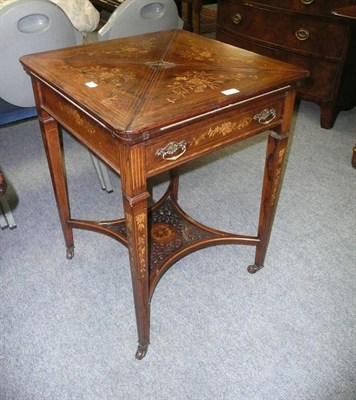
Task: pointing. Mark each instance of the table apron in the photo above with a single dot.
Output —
(197, 138)
(92, 134)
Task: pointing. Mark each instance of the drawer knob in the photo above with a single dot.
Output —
(302, 34)
(172, 151)
(265, 116)
(237, 18)
(307, 1)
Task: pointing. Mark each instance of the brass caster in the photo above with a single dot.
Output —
(252, 269)
(70, 253)
(141, 351)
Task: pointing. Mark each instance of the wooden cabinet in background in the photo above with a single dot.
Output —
(304, 33)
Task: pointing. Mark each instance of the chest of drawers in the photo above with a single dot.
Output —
(304, 33)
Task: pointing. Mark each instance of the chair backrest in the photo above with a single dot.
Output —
(29, 26)
(134, 17)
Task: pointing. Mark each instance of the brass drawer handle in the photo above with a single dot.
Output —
(172, 148)
(307, 1)
(302, 34)
(237, 18)
(265, 116)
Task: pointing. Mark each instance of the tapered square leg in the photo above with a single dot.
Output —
(52, 143)
(275, 155)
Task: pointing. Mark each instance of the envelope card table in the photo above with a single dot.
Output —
(148, 104)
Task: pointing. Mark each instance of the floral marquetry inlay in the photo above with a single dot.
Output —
(129, 49)
(192, 82)
(76, 117)
(138, 232)
(141, 243)
(222, 130)
(115, 78)
(277, 176)
(191, 52)
(133, 49)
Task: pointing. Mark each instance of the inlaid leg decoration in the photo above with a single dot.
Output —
(275, 154)
(135, 196)
(136, 225)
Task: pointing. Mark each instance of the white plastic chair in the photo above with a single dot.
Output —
(135, 17)
(28, 26)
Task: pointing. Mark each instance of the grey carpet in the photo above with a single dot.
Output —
(67, 328)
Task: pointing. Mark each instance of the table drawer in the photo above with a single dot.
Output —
(194, 140)
(321, 7)
(298, 32)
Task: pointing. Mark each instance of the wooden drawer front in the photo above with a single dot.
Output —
(323, 74)
(321, 7)
(196, 139)
(300, 33)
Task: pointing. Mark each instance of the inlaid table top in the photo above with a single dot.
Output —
(141, 86)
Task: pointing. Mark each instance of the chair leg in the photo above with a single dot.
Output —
(6, 218)
(105, 173)
(102, 172)
(197, 7)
